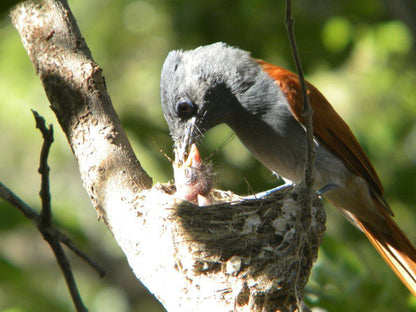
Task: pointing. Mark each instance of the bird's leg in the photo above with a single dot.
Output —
(288, 183)
(326, 188)
(284, 186)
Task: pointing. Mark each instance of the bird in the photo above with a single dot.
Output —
(193, 178)
(262, 104)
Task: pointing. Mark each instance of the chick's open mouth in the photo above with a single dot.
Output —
(187, 158)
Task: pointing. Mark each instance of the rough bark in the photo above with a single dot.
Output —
(242, 256)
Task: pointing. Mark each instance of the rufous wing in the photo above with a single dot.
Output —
(328, 127)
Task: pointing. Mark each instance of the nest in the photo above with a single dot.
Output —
(259, 251)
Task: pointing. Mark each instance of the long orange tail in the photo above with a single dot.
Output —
(395, 248)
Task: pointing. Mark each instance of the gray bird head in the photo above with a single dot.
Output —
(202, 88)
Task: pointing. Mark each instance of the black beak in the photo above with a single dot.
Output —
(184, 142)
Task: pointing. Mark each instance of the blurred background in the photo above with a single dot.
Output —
(359, 53)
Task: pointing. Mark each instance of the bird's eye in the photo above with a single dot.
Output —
(185, 109)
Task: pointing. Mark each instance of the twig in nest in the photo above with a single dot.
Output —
(305, 189)
(307, 109)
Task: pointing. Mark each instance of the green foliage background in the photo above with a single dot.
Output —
(360, 53)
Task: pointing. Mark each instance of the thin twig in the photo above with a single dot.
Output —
(66, 270)
(45, 221)
(15, 201)
(32, 215)
(306, 187)
(307, 109)
(71, 245)
(47, 134)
